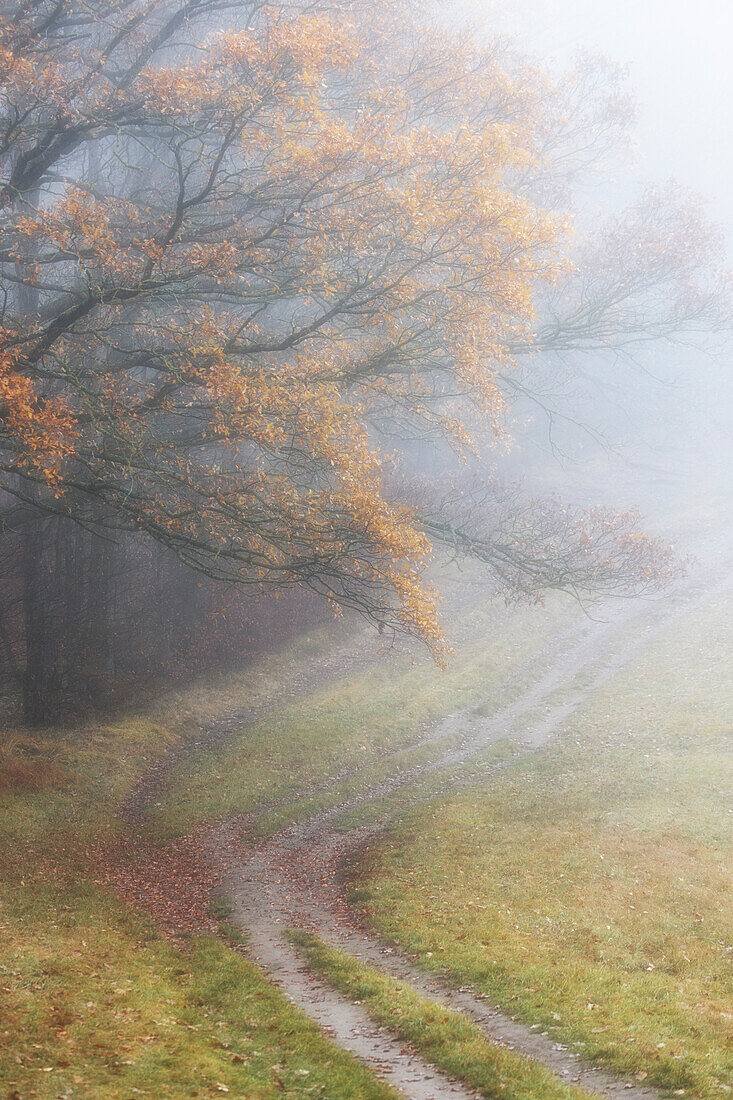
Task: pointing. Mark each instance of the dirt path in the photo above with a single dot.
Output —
(349, 654)
(349, 1025)
(294, 877)
(317, 670)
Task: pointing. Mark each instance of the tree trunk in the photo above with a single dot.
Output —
(41, 679)
(99, 616)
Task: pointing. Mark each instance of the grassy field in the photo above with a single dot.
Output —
(631, 959)
(590, 891)
(93, 1002)
(446, 1038)
(346, 729)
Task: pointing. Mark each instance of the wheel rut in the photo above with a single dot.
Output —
(295, 877)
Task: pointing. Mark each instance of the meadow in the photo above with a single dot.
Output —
(589, 891)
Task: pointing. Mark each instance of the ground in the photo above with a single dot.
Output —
(559, 841)
(94, 1000)
(589, 890)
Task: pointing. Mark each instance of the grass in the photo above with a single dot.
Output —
(96, 1004)
(445, 1038)
(93, 1002)
(357, 720)
(71, 785)
(589, 891)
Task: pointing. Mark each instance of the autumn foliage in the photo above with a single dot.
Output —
(243, 245)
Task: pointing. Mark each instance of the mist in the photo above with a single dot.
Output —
(678, 69)
(366, 549)
(675, 60)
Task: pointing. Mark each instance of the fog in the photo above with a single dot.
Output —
(676, 56)
(562, 294)
(366, 570)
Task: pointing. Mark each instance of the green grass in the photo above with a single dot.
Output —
(356, 721)
(590, 890)
(93, 1002)
(65, 786)
(445, 1038)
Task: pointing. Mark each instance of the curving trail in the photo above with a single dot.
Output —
(294, 878)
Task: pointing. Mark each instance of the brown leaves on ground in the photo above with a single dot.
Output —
(173, 882)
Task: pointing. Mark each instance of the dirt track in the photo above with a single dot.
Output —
(294, 878)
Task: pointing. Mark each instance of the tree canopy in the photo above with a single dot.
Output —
(246, 244)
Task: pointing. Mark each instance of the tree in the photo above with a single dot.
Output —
(237, 240)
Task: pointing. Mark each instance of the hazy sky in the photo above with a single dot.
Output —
(680, 55)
